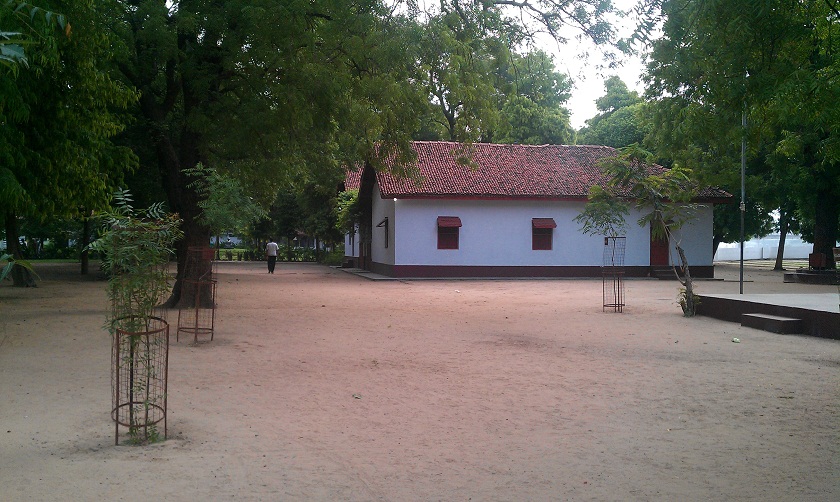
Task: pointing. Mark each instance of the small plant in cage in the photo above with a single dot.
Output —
(685, 303)
(136, 247)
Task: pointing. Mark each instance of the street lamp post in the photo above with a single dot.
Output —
(743, 191)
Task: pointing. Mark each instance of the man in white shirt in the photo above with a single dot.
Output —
(271, 253)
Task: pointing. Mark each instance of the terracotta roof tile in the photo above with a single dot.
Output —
(504, 171)
(353, 180)
(500, 171)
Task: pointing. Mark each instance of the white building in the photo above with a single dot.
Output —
(765, 248)
(507, 212)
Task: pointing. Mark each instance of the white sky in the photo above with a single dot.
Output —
(588, 78)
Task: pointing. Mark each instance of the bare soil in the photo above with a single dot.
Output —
(321, 385)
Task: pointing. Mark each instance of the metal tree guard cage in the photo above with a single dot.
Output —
(197, 309)
(612, 274)
(140, 362)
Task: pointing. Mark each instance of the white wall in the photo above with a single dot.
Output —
(696, 238)
(351, 244)
(765, 248)
(381, 209)
(498, 233)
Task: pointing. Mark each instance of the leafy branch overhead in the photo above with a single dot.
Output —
(348, 211)
(223, 200)
(663, 197)
(22, 17)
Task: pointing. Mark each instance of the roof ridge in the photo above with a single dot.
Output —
(544, 145)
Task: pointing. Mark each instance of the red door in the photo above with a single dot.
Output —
(659, 252)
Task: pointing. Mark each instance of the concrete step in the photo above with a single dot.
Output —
(663, 273)
(813, 276)
(773, 323)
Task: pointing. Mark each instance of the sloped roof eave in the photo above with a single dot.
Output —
(482, 197)
(508, 172)
(723, 199)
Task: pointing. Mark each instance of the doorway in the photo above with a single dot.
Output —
(659, 252)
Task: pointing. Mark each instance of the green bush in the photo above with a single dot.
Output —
(334, 258)
(53, 251)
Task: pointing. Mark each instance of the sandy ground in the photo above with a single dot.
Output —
(321, 385)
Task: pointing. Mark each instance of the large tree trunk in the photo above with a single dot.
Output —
(184, 201)
(784, 225)
(21, 277)
(826, 222)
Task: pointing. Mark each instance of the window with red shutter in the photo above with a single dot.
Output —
(542, 233)
(448, 228)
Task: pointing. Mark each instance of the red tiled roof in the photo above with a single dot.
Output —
(504, 171)
(353, 180)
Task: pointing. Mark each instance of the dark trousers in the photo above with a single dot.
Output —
(271, 261)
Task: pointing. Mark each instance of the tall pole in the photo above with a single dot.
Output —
(743, 191)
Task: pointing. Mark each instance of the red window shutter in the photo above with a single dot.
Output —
(448, 221)
(448, 230)
(543, 223)
(542, 233)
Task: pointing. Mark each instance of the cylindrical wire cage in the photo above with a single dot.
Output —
(197, 308)
(139, 375)
(612, 274)
(199, 318)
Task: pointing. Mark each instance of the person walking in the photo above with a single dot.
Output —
(271, 253)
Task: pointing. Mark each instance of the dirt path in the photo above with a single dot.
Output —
(321, 385)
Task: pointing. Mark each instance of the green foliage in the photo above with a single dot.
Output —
(776, 61)
(604, 214)
(317, 205)
(59, 114)
(11, 262)
(457, 66)
(282, 96)
(688, 305)
(19, 16)
(663, 199)
(335, 257)
(619, 128)
(481, 91)
(136, 246)
(348, 211)
(224, 203)
(524, 121)
(11, 50)
(292, 253)
(535, 77)
(620, 122)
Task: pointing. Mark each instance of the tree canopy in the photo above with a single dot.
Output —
(776, 61)
(619, 122)
(271, 92)
(58, 113)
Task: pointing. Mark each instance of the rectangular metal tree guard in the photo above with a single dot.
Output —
(197, 309)
(612, 274)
